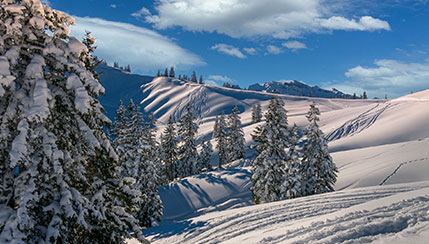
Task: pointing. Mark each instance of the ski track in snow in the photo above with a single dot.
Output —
(384, 181)
(225, 226)
(358, 124)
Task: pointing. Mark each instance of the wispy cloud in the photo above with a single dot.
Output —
(294, 45)
(248, 18)
(142, 12)
(113, 5)
(391, 77)
(274, 50)
(250, 50)
(144, 49)
(219, 80)
(228, 50)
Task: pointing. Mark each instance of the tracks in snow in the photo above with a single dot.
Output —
(358, 124)
(399, 167)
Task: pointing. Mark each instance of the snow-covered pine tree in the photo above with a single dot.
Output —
(169, 151)
(317, 168)
(220, 134)
(120, 130)
(165, 72)
(149, 176)
(235, 136)
(194, 77)
(292, 184)
(205, 156)
(201, 80)
(59, 170)
(187, 149)
(256, 113)
(268, 166)
(172, 73)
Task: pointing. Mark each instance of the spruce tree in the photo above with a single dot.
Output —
(169, 151)
(220, 134)
(256, 113)
(194, 77)
(172, 73)
(268, 166)
(165, 72)
(60, 179)
(292, 183)
(187, 149)
(201, 80)
(158, 74)
(235, 136)
(317, 168)
(205, 156)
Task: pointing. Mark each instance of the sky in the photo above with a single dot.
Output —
(381, 47)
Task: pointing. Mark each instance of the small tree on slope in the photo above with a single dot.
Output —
(188, 155)
(220, 134)
(206, 155)
(169, 151)
(317, 168)
(235, 136)
(256, 113)
(268, 166)
(292, 184)
(58, 166)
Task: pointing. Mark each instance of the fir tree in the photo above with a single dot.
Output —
(205, 156)
(317, 168)
(187, 149)
(235, 137)
(158, 74)
(165, 72)
(60, 182)
(268, 166)
(364, 96)
(194, 77)
(169, 150)
(172, 73)
(220, 134)
(256, 113)
(292, 183)
(201, 80)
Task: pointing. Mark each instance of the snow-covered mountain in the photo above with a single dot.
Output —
(296, 88)
(379, 146)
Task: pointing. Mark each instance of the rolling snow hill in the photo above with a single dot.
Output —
(379, 146)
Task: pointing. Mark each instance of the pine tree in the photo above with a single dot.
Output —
(292, 183)
(194, 77)
(201, 80)
(220, 134)
(59, 175)
(235, 136)
(187, 149)
(165, 72)
(268, 166)
(158, 74)
(205, 156)
(172, 74)
(169, 151)
(317, 168)
(364, 96)
(116, 65)
(256, 113)
(180, 77)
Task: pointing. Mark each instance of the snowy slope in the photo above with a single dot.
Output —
(396, 212)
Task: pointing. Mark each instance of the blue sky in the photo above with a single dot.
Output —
(378, 46)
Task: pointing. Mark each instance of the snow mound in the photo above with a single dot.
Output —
(422, 96)
(372, 214)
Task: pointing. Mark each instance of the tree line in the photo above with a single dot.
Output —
(172, 74)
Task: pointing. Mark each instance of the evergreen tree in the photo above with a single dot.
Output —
(172, 74)
(201, 80)
(169, 150)
(180, 77)
(165, 72)
(354, 95)
(317, 168)
(187, 149)
(292, 183)
(205, 156)
(256, 113)
(268, 166)
(235, 137)
(194, 77)
(158, 74)
(220, 134)
(116, 65)
(59, 172)
(364, 96)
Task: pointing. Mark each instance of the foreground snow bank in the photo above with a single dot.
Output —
(397, 213)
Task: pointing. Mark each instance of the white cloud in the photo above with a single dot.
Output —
(391, 77)
(247, 18)
(218, 80)
(274, 50)
(143, 49)
(113, 5)
(142, 12)
(294, 45)
(250, 50)
(229, 50)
